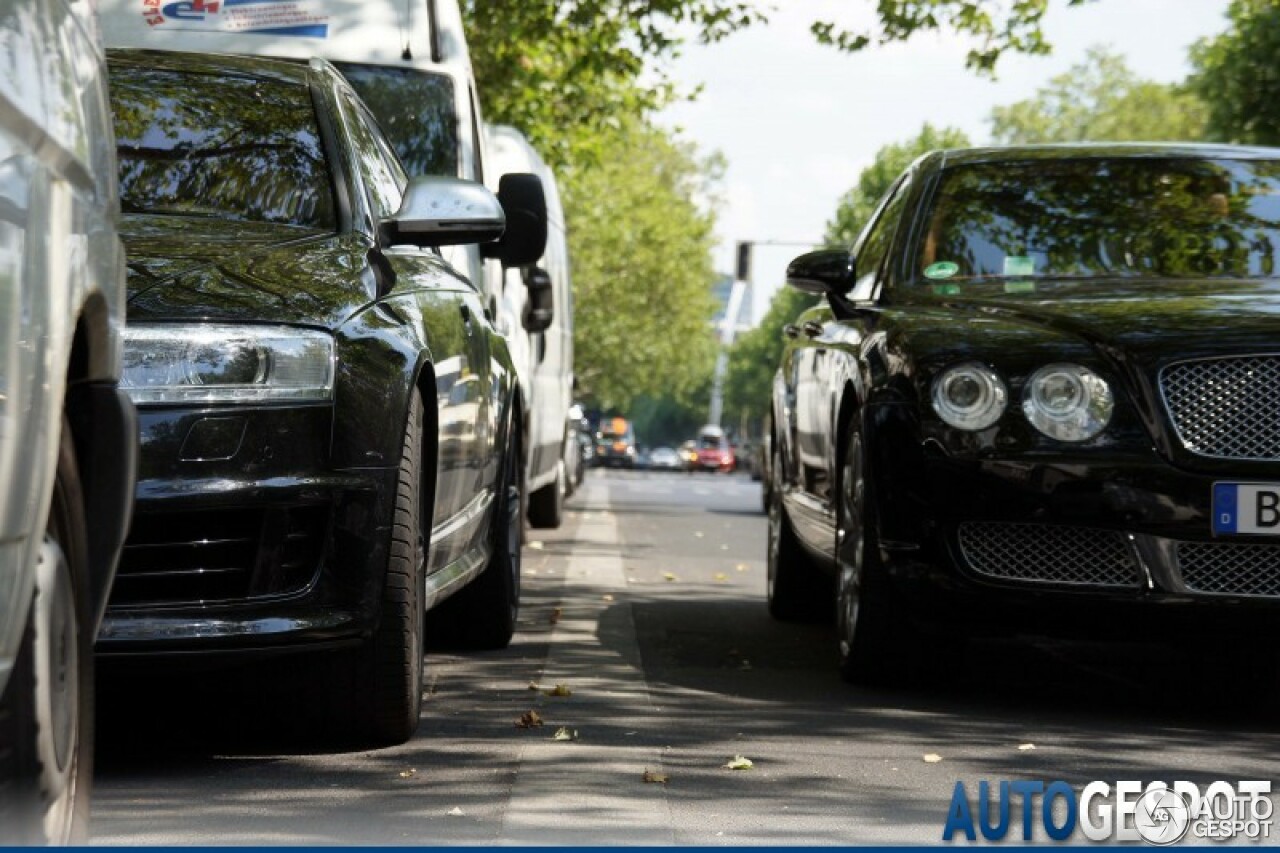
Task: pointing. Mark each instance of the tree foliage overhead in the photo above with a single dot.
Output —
(1101, 99)
(547, 66)
(1238, 75)
(755, 356)
(641, 251)
(857, 205)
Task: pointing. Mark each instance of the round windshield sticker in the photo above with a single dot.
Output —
(942, 269)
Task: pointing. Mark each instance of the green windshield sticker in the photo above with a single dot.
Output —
(1019, 265)
(942, 269)
(1020, 286)
(946, 290)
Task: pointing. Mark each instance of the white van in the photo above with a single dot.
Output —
(409, 62)
(542, 296)
(68, 435)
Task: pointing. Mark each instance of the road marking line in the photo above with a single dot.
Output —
(591, 791)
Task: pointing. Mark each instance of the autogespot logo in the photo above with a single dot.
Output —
(1157, 813)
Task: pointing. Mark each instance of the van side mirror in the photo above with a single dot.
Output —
(830, 272)
(439, 211)
(540, 310)
(525, 204)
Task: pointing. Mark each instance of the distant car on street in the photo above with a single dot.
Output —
(1042, 393)
(330, 427)
(615, 444)
(68, 437)
(714, 451)
(665, 459)
(689, 454)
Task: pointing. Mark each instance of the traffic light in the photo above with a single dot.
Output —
(744, 261)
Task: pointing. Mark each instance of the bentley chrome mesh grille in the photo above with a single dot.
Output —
(1230, 568)
(1228, 408)
(1049, 553)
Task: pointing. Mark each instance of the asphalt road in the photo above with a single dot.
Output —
(648, 606)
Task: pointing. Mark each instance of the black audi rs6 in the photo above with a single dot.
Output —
(1041, 394)
(329, 423)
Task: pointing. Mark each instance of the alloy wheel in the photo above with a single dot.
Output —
(851, 545)
(57, 700)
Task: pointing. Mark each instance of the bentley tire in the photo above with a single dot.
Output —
(797, 591)
(877, 645)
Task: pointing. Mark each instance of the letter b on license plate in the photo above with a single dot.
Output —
(1246, 508)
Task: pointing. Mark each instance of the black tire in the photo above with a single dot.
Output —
(46, 713)
(878, 645)
(373, 694)
(483, 614)
(797, 590)
(546, 505)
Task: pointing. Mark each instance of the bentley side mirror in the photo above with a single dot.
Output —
(540, 310)
(829, 272)
(439, 211)
(525, 204)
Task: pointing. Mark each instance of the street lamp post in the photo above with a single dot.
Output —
(729, 325)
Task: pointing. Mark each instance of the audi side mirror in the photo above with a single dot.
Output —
(439, 211)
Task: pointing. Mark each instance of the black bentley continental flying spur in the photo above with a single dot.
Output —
(1040, 394)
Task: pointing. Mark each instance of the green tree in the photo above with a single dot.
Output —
(641, 250)
(857, 205)
(551, 66)
(546, 66)
(755, 355)
(1237, 74)
(1101, 99)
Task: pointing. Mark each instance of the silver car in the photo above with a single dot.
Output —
(67, 435)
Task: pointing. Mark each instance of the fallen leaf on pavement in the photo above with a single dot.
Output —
(655, 777)
(528, 720)
(742, 567)
(739, 762)
(537, 546)
(932, 758)
(669, 576)
(1026, 747)
(407, 774)
(533, 685)
(556, 614)
(456, 812)
(558, 690)
(565, 733)
(724, 547)
(607, 597)
(698, 533)
(721, 576)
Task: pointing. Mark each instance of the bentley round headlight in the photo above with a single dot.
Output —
(1068, 402)
(969, 396)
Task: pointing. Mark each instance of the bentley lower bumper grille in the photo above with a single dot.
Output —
(1049, 553)
(1230, 568)
(175, 558)
(1226, 407)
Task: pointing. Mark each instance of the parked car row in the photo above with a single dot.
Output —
(278, 372)
(1041, 394)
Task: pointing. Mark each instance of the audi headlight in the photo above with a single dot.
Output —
(227, 364)
(1068, 402)
(969, 396)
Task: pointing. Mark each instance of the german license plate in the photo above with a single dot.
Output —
(1252, 508)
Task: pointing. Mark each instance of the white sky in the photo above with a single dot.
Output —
(798, 121)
